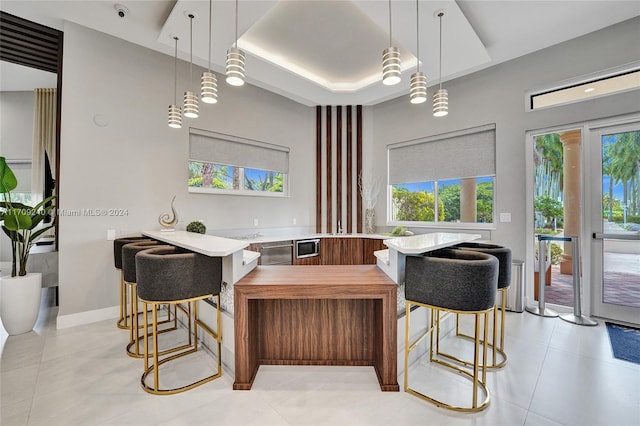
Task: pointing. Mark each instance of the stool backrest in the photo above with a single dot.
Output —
(169, 274)
(129, 252)
(452, 279)
(118, 243)
(502, 253)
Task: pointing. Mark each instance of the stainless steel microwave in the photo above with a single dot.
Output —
(307, 248)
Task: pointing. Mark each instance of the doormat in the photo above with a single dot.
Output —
(625, 342)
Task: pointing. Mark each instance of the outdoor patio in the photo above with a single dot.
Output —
(622, 287)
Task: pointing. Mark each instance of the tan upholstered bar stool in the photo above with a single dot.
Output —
(118, 243)
(170, 275)
(129, 252)
(503, 254)
(459, 282)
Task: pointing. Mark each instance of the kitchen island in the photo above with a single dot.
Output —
(316, 315)
(392, 260)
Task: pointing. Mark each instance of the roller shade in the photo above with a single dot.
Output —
(22, 170)
(464, 154)
(217, 148)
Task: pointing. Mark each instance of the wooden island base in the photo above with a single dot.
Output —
(315, 315)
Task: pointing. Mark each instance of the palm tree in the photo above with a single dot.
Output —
(549, 162)
(625, 166)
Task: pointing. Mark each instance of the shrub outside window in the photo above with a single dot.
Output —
(414, 203)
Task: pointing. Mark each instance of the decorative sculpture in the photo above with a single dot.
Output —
(168, 221)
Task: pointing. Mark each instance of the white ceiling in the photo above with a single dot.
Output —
(329, 52)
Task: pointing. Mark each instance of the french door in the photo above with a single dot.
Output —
(614, 185)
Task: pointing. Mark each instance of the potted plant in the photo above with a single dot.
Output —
(20, 291)
(197, 227)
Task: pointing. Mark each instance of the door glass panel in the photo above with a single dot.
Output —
(621, 216)
(557, 191)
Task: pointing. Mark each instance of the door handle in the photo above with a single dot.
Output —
(626, 237)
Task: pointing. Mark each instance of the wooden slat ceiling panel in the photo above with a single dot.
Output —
(28, 43)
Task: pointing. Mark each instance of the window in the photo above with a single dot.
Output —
(446, 179)
(223, 164)
(587, 87)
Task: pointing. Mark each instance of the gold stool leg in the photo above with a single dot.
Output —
(477, 377)
(185, 350)
(499, 357)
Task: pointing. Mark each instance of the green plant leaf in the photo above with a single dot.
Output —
(8, 181)
(16, 221)
(39, 232)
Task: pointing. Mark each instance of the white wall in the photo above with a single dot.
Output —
(16, 131)
(16, 139)
(497, 95)
(134, 161)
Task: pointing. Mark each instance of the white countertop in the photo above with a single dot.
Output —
(208, 245)
(259, 238)
(422, 243)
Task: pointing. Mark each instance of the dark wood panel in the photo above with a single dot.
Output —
(257, 248)
(329, 180)
(317, 331)
(351, 250)
(341, 251)
(339, 167)
(370, 245)
(359, 166)
(330, 251)
(318, 168)
(29, 43)
(349, 171)
(315, 260)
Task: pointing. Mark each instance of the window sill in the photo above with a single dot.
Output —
(196, 190)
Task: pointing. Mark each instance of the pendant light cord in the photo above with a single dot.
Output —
(191, 50)
(175, 72)
(440, 16)
(390, 42)
(210, 10)
(418, 35)
(236, 43)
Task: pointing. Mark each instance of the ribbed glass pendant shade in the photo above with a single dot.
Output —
(391, 66)
(418, 92)
(175, 117)
(209, 88)
(190, 104)
(235, 66)
(441, 103)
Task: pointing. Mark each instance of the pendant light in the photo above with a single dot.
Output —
(235, 60)
(418, 91)
(441, 96)
(390, 60)
(175, 112)
(190, 99)
(208, 81)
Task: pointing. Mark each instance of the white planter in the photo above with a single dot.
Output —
(20, 302)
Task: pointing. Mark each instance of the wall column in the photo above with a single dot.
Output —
(468, 200)
(571, 144)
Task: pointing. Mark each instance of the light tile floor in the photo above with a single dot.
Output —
(557, 373)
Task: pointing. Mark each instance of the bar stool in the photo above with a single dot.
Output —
(129, 252)
(170, 275)
(503, 254)
(118, 243)
(455, 281)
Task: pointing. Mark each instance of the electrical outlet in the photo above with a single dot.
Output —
(255, 222)
(505, 217)
(294, 221)
(111, 234)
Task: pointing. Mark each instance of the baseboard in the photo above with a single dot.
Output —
(87, 317)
